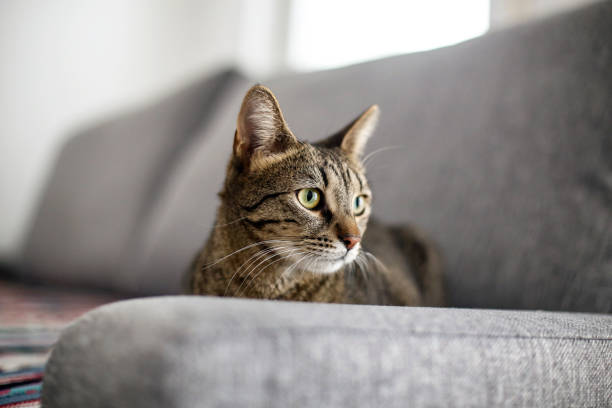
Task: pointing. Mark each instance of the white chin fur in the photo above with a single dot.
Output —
(324, 266)
(352, 254)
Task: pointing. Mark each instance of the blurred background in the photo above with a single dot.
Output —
(67, 64)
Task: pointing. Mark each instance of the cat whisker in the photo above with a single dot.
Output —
(370, 155)
(309, 262)
(363, 267)
(269, 241)
(229, 223)
(281, 277)
(254, 267)
(356, 265)
(257, 255)
(282, 258)
(314, 257)
(295, 264)
(377, 262)
(350, 270)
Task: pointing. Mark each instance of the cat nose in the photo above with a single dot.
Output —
(350, 241)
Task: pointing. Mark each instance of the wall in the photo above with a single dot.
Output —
(68, 63)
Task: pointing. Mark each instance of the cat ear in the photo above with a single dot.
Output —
(353, 138)
(261, 130)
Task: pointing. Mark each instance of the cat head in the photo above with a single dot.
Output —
(309, 202)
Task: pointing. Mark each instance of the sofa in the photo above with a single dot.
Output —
(500, 148)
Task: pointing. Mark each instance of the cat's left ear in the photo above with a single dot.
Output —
(262, 135)
(353, 138)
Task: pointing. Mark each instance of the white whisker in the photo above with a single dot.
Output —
(244, 249)
(257, 255)
(298, 251)
(253, 268)
(228, 223)
(292, 267)
(382, 149)
(378, 263)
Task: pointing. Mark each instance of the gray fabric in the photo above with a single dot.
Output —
(103, 185)
(212, 352)
(182, 217)
(504, 160)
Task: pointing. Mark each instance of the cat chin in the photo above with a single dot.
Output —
(325, 266)
(352, 255)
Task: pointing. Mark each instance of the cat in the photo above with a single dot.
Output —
(293, 221)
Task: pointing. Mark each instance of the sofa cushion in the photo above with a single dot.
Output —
(212, 352)
(102, 187)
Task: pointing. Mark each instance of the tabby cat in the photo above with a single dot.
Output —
(293, 217)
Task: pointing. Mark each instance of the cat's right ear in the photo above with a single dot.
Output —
(262, 135)
(353, 138)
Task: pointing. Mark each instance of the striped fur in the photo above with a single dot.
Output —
(265, 244)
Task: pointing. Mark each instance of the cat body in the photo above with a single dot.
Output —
(293, 218)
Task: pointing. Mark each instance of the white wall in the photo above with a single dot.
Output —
(352, 31)
(68, 63)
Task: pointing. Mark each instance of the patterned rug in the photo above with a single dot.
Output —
(21, 388)
(31, 319)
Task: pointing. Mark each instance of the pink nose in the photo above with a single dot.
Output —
(350, 241)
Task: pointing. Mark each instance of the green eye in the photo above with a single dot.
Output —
(309, 197)
(359, 205)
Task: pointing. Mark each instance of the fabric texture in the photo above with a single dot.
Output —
(218, 352)
(500, 152)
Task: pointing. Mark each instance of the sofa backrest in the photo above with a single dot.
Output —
(502, 152)
(104, 183)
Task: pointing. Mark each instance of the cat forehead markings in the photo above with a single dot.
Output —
(339, 179)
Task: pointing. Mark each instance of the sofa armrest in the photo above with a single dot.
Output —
(201, 351)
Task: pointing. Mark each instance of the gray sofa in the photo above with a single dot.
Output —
(502, 153)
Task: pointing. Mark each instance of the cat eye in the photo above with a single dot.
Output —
(359, 205)
(309, 197)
